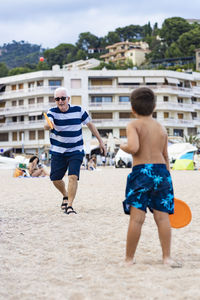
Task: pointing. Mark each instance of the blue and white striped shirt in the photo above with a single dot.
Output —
(66, 137)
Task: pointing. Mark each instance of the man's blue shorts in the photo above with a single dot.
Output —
(61, 163)
(149, 185)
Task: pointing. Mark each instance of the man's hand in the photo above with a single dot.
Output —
(102, 148)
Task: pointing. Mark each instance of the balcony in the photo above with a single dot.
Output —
(109, 106)
(176, 122)
(25, 110)
(175, 106)
(8, 126)
(158, 89)
(29, 92)
(111, 123)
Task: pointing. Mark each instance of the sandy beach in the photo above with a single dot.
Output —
(46, 254)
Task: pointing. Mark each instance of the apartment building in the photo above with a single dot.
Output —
(127, 50)
(105, 94)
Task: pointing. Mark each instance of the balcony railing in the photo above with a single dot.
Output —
(39, 90)
(22, 125)
(26, 109)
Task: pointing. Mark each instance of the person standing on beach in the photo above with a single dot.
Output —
(67, 145)
(149, 184)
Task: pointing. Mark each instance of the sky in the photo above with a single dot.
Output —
(51, 22)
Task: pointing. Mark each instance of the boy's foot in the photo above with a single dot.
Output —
(129, 262)
(70, 210)
(172, 263)
(64, 203)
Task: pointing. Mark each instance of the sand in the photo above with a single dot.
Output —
(46, 254)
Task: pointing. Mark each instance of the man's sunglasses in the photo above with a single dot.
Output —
(61, 98)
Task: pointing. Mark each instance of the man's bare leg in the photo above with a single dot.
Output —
(72, 188)
(137, 218)
(60, 185)
(164, 232)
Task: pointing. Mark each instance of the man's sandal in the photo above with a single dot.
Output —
(70, 210)
(64, 203)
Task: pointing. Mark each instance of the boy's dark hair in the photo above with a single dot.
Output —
(143, 101)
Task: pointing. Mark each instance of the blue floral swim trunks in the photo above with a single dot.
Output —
(149, 185)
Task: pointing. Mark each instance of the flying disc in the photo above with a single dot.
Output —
(48, 121)
(182, 214)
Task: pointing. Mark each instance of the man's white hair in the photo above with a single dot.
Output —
(61, 88)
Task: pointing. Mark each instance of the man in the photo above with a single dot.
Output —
(67, 145)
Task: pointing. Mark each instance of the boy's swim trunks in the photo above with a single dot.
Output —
(149, 185)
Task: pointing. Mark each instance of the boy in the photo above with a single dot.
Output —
(149, 184)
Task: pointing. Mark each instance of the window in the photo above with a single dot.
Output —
(4, 137)
(14, 119)
(13, 87)
(31, 135)
(40, 134)
(14, 103)
(75, 83)
(102, 115)
(40, 100)
(125, 115)
(30, 85)
(21, 102)
(14, 136)
(194, 115)
(166, 98)
(51, 99)
(166, 115)
(154, 115)
(55, 83)
(122, 133)
(31, 118)
(40, 83)
(76, 100)
(178, 132)
(180, 100)
(31, 101)
(192, 131)
(21, 118)
(101, 81)
(99, 99)
(124, 99)
(21, 86)
(180, 116)
(2, 104)
(40, 117)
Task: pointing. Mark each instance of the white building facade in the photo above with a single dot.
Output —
(105, 94)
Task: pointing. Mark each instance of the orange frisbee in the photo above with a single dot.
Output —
(48, 121)
(182, 214)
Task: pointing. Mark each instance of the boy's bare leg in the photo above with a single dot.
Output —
(137, 218)
(72, 188)
(164, 231)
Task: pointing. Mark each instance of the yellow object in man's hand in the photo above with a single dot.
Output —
(48, 121)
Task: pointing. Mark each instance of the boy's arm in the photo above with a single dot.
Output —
(95, 132)
(132, 145)
(165, 153)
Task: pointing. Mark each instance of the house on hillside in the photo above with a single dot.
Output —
(127, 50)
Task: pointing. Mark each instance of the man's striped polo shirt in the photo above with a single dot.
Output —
(66, 137)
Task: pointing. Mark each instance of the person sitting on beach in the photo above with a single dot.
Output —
(92, 164)
(66, 140)
(35, 169)
(149, 184)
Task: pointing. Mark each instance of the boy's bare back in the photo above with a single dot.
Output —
(149, 141)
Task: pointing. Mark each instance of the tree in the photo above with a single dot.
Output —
(173, 51)
(58, 55)
(3, 70)
(173, 28)
(189, 41)
(87, 40)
